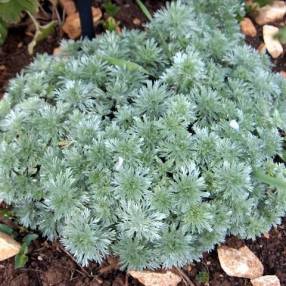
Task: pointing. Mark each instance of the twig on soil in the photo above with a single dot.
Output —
(185, 277)
(126, 280)
(30, 269)
(47, 15)
(57, 15)
(108, 268)
(71, 276)
(71, 257)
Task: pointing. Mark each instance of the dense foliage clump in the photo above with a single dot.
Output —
(153, 145)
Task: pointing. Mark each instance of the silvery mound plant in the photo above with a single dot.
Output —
(149, 145)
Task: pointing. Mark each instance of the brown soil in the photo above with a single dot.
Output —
(270, 249)
(14, 54)
(129, 14)
(50, 265)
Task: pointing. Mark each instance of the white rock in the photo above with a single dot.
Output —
(271, 13)
(119, 164)
(8, 247)
(273, 46)
(268, 280)
(283, 74)
(150, 278)
(240, 262)
(57, 51)
(234, 124)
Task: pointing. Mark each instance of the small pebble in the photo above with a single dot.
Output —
(248, 28)
(190, 268)
(136, 22)
(57, 51)
(283, 73)
(266, 235)
(271, 13)
(273, 46)
(233, 124)
(267, 280)
(240, 262)
(119, 164)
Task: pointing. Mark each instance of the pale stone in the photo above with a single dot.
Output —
(119, 164)
(234, 125)
(136, 21)
(72, 23)
(57, 51)
(268, 280)
(283, 73)
(271, 13)
(248, 28)
(240, 262)
(273, 46)
(150, 278)
(266, 234)
(8, 246)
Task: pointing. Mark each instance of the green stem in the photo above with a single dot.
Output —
(269, 180)
(144, 9)
(35, 22)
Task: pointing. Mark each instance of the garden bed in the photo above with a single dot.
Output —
(49, 264)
